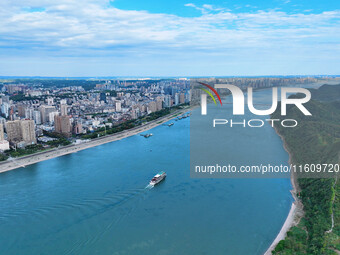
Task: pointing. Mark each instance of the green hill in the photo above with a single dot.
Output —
(326, 93)
(316, 139)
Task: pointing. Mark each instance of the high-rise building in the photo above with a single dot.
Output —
(4, 145)
(45, 110)
(51, 116)
(29, 113)
(152, 107)
(159, 103)
(5, 99)
(62, 125)
(78, 128)
(2, 136)
(102, 97)
(135, 112)
(21, 110)
(187, 97)
(5, 109)
(12, 113)
(13, 130)
(167, 101)
(21, 130)
(63, 109)
(118, 106)
(37, 117)
(28, 131)
(181, 98)
(176, 99)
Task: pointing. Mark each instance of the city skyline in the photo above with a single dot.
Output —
(181, 38)
(32, 110)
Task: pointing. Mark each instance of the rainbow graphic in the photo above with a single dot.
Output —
(209, 93)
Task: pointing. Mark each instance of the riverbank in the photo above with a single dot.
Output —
(24, 161)
(296, 210)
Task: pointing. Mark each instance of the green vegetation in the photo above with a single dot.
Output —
(102, 132)
(59, 142)
(3, 157)
(53, 134)
(21, 97)
(61, 139)
(158, 114)
(316, 139)
(326, 93)
(296, 241)
(34, 148)
(132, 123)
(23, 152)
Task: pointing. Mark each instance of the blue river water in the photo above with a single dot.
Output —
(95, 202)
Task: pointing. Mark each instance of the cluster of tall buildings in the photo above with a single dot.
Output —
(19, 133)
(29, 112)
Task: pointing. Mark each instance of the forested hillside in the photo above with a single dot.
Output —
(316, 140)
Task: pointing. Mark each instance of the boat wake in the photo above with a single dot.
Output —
(98, 215)
(150, 186)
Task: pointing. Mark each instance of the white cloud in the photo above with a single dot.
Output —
(206, 8)
(93, 27)
(201, 9)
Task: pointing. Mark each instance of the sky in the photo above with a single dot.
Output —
(144, 38)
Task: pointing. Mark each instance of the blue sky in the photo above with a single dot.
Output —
(178, 7)
(169, 38)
